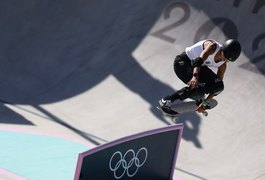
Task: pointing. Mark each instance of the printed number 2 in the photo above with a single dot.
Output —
(160, 33)
(250, 65)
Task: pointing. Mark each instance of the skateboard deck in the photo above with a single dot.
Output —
(186, 107)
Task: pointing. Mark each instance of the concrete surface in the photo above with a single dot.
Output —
(94, 71)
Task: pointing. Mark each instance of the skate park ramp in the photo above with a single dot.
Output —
(93, 71)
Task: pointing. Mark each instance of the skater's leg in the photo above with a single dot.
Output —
(184, 93)
(210, 82)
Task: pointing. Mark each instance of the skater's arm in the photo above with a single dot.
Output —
(221, 71)
(209, 48)
(195, 78)
(210, 97)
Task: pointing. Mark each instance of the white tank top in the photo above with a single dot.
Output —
(195, 51)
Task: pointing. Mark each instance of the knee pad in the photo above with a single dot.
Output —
(194, 94)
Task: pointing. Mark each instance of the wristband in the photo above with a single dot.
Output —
(196, 74)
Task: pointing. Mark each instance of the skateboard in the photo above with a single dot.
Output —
(186, 107)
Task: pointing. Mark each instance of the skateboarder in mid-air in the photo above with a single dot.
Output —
(193, 68)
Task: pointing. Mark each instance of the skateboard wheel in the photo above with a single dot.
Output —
(175, 119)
(205, 113)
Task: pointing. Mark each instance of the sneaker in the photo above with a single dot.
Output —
(165, 102)
(165, 106)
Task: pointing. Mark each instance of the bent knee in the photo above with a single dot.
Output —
(218, 87)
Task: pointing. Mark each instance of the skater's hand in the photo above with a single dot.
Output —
(201, 108)
(193, 82)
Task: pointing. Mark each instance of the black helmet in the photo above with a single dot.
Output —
(231, 49)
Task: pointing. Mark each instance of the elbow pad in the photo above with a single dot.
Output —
(197, 62)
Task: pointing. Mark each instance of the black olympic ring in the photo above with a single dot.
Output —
(122, 163)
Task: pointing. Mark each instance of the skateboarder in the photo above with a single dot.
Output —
(193, 68)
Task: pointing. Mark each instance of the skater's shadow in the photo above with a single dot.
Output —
(191, 122)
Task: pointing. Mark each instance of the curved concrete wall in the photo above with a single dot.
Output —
(101, 66)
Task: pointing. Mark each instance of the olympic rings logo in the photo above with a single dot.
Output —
(128, 163)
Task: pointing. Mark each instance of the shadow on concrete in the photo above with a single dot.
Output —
(91, 138)
(51, 51)
(8, 116)
(191, 122)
